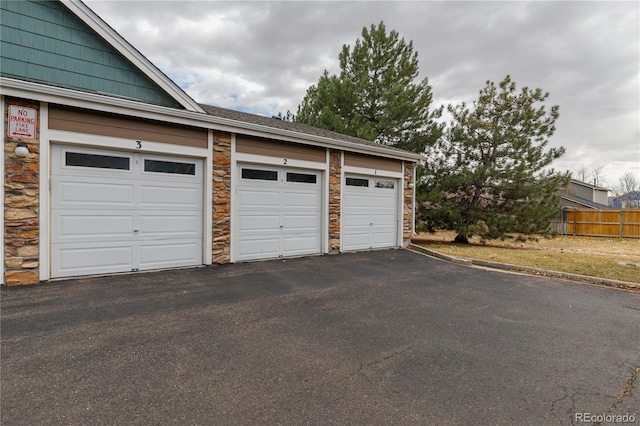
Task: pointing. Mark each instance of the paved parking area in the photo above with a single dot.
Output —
(385, 337)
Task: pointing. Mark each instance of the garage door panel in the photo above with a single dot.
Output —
(301, 222)
(356, 200)
(94, 194)
(90, 259)
(258, 248)
(382, 239)
(256, 222)
(258, 198)
(167, 224)
(168, 254)
(357, 229)
(92, 226)
(383, 202)
(299, 245)
(382, 219)
(356, 241)
(356, 219)
(302, 200)
(164, 197)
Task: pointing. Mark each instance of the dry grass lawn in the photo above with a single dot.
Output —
(612, 258)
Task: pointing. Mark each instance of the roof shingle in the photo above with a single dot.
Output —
(300, 128)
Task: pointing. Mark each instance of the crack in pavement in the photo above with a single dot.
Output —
(362, 371)
(558, 400)
(627, 392)
(385, 358)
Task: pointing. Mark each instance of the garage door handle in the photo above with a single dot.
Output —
(136, 230)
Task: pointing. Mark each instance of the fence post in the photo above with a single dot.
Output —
(621, 222)
(575, 222)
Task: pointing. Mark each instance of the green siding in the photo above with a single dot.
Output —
(43, 42)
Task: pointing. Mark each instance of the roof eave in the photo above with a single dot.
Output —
(588, 185)
(586, 203)
(87, 100)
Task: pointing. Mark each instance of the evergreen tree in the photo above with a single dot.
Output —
(376, 96)
(489, 174)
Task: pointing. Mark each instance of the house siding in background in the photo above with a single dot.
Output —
(588, 192)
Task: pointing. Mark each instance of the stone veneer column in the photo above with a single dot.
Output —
(335, 185)
(221, 197)
(408, 204)
(22, 205)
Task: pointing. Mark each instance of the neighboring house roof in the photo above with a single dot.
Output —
(302, 129)
(588, 185)
(582, 201)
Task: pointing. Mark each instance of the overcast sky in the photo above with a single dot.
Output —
(261, 57)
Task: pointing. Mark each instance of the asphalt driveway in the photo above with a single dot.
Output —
(385, 337)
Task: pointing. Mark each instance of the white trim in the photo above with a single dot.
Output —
(343, 184)
(40, 92)
(278, 161)
(400, 211)
(45, 194)
(131, 53)
(325, 203)
(373, 172)
(108, 142)
(103, 103)
(232, 197)
(413, 202)
(207, 229)
(4, 253)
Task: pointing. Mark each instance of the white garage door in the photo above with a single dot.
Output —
(118, 211)
(370, 213)
(278, 212)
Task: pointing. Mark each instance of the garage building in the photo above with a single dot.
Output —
(110, 167)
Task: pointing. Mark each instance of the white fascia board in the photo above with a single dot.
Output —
(96, 23)
(373, 172)
(277, 161)
(79, 99)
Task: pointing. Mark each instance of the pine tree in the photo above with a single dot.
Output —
(376, 96)
(489, 174)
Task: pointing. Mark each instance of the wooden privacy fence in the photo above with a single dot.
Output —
(601, 223)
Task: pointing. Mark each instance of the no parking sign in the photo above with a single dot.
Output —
(22, 122)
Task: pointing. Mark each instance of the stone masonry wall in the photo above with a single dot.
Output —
(408, 203)
(335, 182)
(221, 197)
(21, 205)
